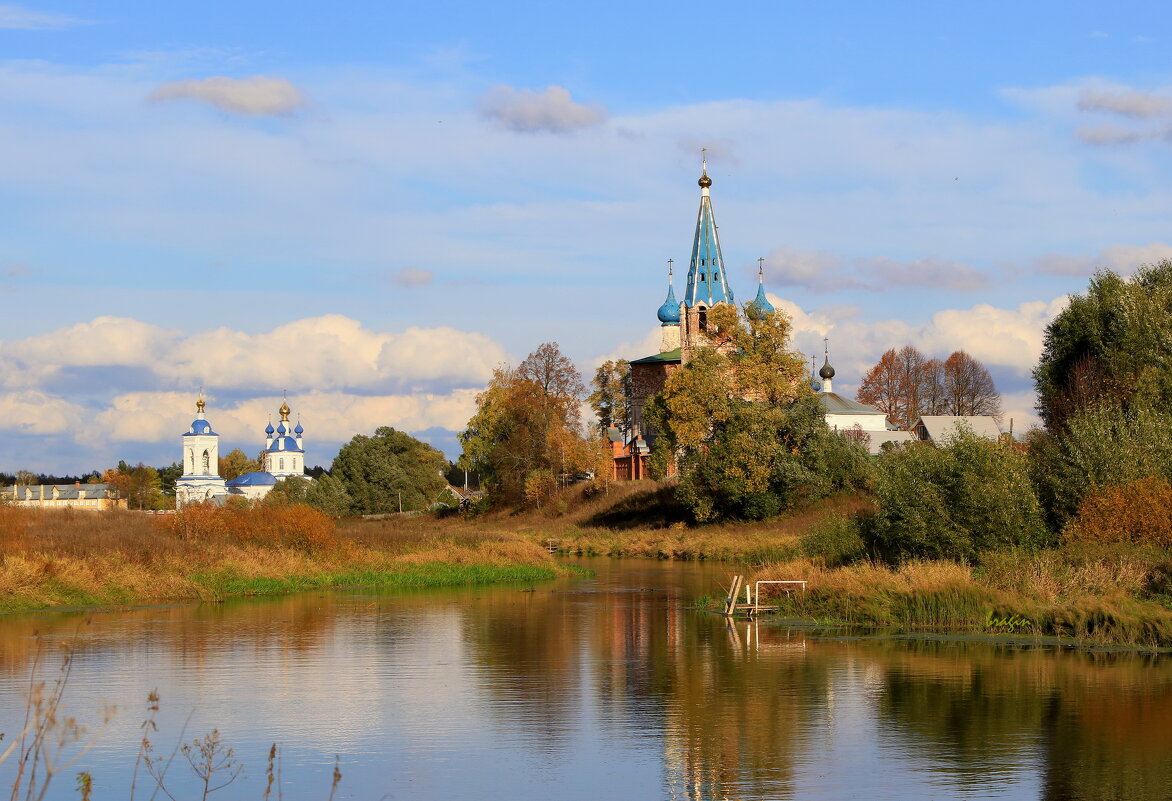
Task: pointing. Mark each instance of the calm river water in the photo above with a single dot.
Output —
(605, 688)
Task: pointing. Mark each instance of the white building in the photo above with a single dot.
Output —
(201, 463)
(852, 418)
(283, 457)
(939, 429)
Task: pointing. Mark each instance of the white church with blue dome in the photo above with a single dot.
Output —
(283, 456)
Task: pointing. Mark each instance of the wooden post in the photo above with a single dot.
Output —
(730, 603)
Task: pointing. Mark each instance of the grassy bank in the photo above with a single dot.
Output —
(63, 558)
(1103, 596)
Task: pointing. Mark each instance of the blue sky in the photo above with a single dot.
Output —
(372, 207)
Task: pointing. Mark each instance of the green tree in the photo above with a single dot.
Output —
(749, 436)
(610, 398)
(326, 493)
(380, 471)
(1113, 343)
(954, 501)
(140, 485)
(526, 433)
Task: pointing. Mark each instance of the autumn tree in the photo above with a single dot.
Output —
(139, 485)
(325, 493)
(236, 463)
(610, 398)
(906, 384)
(968, 387)
(749, 436)
(526, 430)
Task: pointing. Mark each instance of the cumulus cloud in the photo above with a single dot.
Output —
(15, 17)
(32, 412)
(527, 111)
(259, 95)
(1123, 259)
(412, 277)
(821, 271)
(139, 382)
(1127, 102)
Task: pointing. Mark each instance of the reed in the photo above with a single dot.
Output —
(63, 558)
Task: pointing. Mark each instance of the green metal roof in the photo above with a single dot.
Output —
(668, 357)
(834, 403)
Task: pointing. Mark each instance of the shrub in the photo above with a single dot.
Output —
(954, 501)
(1139, 512)
(289, 525)
(835, 540)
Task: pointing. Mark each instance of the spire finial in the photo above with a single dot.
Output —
(761, 270)
(704, 181)
(670, 262)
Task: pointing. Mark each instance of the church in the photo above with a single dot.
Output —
(283, 456)
(683, 326)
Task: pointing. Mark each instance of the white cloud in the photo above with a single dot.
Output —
(821, 271)
(1122, 259)
(1111, 135)
(14, 17)
(527, 111)
(323, 353)
(258, 95)
(1127, 102)
(412, 277)
(32, 412)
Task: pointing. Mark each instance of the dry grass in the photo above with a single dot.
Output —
(63, 558)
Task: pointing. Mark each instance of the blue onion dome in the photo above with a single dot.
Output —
(669, 312)
(299, 430)
(281, 429)
(201, 427)
(827, 371)
(269, 429)
(761, 303)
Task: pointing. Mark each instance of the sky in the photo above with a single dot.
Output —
(370, 208)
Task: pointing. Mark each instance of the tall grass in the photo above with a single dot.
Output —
(64, 558)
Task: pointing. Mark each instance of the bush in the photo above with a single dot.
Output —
(287, 525)
(952, 502)
(834, 540)
(1138, 512)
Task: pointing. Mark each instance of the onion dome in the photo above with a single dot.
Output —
(281, 429)
(201, 426)
(761, 304)
(269, 429)
(704, 181)
(669, 312)
(827, 371)
(284, 410)
(199, 405)
(299, 430)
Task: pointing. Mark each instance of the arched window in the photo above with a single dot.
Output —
(191, 460)
(281, 464)
(703, 319)
(207, 462)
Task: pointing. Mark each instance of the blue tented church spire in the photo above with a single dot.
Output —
(707, 282)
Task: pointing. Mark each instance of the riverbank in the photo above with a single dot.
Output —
(70, 559)
(1110, 593)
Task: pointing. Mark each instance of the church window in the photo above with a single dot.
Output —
(716, 276)
(703, 319)
(701, 262)
(282, 464)
(701, 276)
(191, 460)
(207, 462)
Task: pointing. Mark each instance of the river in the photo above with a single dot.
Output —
(605, 688)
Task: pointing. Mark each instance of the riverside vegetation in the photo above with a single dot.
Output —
(64, 558)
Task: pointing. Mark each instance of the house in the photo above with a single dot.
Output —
(940, 428)
(93, 497)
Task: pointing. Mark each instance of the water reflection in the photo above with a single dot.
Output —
(609, 687)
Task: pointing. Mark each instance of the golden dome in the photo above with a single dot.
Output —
(199, 405)
(705, 181)
(284, 410)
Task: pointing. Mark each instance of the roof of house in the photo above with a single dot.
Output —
(878, 438)
(667, 357)
(254, 479)
(64, 491)
(942, 427)
(834, 403)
